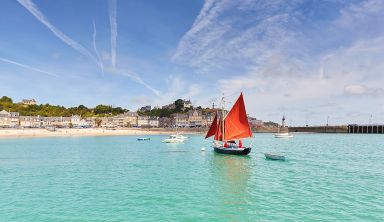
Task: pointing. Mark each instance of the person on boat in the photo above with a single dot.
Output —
(226, 144)
(240, 144)
(232, 144)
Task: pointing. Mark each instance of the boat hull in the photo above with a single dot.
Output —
(231, 151)
(270, 156)
(173, 141)
(283, 135)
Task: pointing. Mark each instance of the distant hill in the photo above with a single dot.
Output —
(7, 104)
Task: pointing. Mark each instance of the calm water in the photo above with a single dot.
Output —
(326, 177)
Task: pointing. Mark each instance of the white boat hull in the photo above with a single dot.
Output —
(173, 140)
(272, 156)
(283, 135)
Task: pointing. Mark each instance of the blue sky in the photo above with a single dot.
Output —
(306, 59)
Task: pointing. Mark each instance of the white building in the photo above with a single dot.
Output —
(5, 119)
(30, 121)
(153, 121)
(182, 120)
(127, 119)
(75, 120)
(143, 121)
(107, 122)
(15, 119)
(28, 101)
(195, 118)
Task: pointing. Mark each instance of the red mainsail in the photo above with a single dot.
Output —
(236, 122)
(212, 130)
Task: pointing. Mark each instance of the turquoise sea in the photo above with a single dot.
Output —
(329, 177)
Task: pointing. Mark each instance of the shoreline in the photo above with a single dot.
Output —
(38, 133)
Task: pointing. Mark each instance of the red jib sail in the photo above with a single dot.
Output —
(219, 131)
(212, 129)
(236, 122)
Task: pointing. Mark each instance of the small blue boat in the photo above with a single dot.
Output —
(143, 139)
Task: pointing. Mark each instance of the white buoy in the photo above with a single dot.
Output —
(203, 149)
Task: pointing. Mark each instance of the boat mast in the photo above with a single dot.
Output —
(222, 118)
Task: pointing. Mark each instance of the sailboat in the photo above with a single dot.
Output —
(228, 128)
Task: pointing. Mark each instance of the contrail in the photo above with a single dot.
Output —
(27, 67)
(34, 10)
(100, 62)
(113, 23)
(135, 77)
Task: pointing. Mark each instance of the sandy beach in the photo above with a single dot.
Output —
(22, 133)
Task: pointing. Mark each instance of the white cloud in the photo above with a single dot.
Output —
(267, 50)
(113, 24)
(224, 36)
(27, 67)
(359, 13)
(355, 89)
(100, 61)
(135, 77)
(34, 10)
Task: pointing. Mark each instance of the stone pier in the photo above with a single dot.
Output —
(366, 129)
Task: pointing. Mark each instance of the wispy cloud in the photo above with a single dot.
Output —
(100, 61)
(230, 35)
(34, 10)
(27, 67)
(362, 90)
(113, 24)
(135, 77)
(285, 55)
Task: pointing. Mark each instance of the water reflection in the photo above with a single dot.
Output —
(232, 174)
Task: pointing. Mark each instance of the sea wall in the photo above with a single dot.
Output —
(304, 129)
(320, 129)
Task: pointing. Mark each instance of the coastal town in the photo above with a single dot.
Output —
(188, 117)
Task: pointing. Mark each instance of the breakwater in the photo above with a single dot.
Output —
(305, 129)
(320, 129)
(366, 129)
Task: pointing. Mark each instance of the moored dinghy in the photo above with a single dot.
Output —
(274, 156)
(233, 126)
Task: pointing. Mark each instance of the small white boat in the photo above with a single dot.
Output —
(274, 156)
(173, 139)
(283, 135)
(181, 136)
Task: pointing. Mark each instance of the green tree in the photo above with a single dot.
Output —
(179, 105)
(6, 99)
(102, 110)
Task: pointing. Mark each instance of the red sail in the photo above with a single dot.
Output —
(236, 122)
(212, 129)
(219, 131)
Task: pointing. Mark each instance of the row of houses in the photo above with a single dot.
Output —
(192, 119)
(13, 119)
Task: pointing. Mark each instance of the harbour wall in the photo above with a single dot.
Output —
(320, 129)
(305, 129)
(365, 129)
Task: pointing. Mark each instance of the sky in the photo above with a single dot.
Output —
(310, 60)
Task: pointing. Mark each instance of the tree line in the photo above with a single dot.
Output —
(47, 110)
